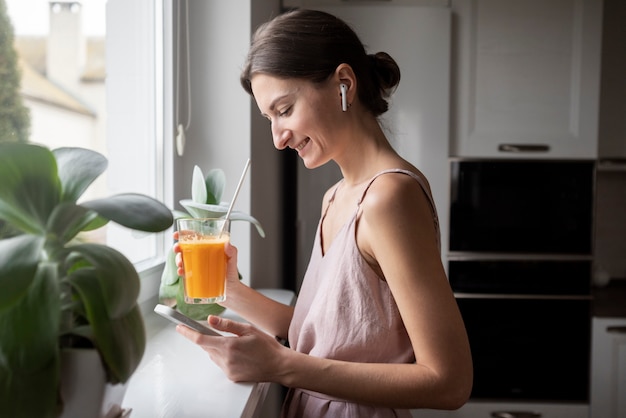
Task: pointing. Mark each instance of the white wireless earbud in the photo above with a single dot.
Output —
(344, 98)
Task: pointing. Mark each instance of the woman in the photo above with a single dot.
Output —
(376, 330)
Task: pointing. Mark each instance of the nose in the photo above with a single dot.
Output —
(280, 135)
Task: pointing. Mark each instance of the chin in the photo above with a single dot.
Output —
(311, 164)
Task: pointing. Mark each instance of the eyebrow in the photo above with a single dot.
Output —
(273, 104)
(276, 100)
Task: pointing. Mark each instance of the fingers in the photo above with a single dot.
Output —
(228, 325)
(230, 250)
(192, 335)
(217, 323)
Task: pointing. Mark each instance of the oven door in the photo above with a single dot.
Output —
(521, 206)
(529, 348)
(529, 325)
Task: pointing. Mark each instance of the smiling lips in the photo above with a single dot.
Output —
(302, 144)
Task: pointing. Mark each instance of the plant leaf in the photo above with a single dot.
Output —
(204, 210)
(121, 340)
(78, 168)
(134, 211)
(179, 214)
(97, 222)
(199, 312)
(68, 219)
(19, 257)
(199, 210)
(215, 183)
(30, 187)
(198, 186)
(240, 216)
(29, 354)
(111, 271)
(169, 275)
(108, 290)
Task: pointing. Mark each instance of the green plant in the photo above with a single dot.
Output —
(14, 117)
(205, 202)
(56, 291)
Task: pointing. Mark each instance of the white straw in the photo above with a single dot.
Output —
(232, 202)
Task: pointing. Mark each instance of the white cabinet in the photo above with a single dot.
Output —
(526, 78)
(608, 368)
(317, 3)
(508, 410)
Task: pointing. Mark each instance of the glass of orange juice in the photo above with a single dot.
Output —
(202, 242)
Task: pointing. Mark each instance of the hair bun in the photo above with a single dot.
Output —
(386, 71)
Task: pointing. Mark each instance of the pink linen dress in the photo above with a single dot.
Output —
(345, 311)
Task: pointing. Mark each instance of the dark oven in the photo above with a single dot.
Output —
(520, 265)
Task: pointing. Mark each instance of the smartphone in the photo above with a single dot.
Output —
(178, 318)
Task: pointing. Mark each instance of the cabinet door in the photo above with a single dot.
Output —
(608, 368)
(526, 78)
(317, 3)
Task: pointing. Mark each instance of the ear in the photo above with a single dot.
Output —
(345, 75)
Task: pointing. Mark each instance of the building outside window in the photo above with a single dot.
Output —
(75, 99)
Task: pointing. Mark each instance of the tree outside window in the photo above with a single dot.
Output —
(14, 116)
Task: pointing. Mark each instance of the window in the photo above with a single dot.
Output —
(98, 85)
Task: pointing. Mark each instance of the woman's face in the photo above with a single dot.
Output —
(303, 116)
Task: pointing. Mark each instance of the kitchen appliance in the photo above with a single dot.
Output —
(520, 265)
(521, 206)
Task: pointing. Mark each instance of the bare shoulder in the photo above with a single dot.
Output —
(396, 215)
(395, 194)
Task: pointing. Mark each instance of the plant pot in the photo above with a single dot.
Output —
(85, 391)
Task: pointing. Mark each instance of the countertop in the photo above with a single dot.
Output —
(610, 301)
(176, 378)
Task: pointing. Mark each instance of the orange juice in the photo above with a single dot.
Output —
(205, 268)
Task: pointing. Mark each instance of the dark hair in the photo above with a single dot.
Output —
(310, 45)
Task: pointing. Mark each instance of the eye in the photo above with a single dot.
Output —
(285, 112)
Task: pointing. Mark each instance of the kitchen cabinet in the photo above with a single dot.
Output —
(608, 368)
(526, 78)
(612, 129)
(315, 3)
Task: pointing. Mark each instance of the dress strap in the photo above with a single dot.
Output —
(332, 198)
(422, 182)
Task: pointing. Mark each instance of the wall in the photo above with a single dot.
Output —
(610, 225)
(267, 194)
(225, 129)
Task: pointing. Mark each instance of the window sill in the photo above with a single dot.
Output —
(176, 378)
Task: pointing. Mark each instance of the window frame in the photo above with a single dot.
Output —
(138, 40)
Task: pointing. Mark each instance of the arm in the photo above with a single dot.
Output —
(263, 312)
(396, 234)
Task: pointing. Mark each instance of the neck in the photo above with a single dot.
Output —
(364, 154)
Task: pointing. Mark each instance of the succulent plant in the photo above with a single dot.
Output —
(205, 202)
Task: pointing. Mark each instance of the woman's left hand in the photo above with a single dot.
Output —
(251, 355)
